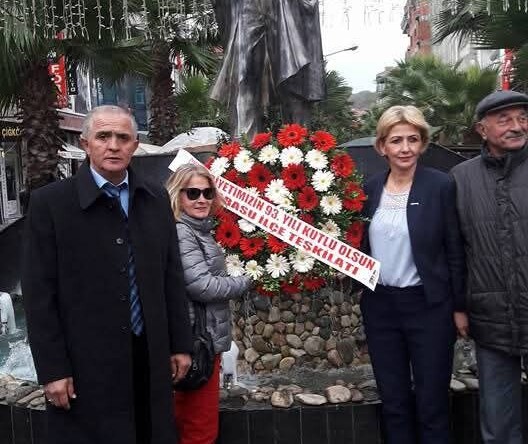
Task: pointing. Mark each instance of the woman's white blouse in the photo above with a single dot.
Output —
(390, 242)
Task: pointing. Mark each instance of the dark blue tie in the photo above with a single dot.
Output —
(136, 315)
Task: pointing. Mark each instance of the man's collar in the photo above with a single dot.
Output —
(89, 190)
(100, 181)
(507, 162)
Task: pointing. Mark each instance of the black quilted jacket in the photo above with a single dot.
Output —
(492, 201)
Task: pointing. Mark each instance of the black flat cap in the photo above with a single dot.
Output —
(500, 100)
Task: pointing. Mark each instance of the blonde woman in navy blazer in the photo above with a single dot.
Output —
(410, 317)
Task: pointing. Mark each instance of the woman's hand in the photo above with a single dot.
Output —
(180, 363)
(462, 324)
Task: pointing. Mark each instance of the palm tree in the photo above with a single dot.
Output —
(196, 108)
(489, 26)
(192, 42)
(26, 86)
(163, 120)
(446, 95)
(335, 113)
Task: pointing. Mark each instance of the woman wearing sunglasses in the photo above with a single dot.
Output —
(194, 198)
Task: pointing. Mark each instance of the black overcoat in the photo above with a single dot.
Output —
(76, 293)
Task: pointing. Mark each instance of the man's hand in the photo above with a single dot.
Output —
(462, 324)
(180, 363)
(59, 393)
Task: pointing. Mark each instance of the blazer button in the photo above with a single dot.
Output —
(124, 329)
(123, 298)
(119, 241)
(123, 269)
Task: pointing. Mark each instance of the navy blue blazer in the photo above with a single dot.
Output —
(436, 240)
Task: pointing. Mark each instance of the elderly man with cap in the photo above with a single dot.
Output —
(492, 203)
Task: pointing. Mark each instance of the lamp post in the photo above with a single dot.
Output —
(352, 48)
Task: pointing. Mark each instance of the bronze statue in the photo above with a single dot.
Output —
(272, 55)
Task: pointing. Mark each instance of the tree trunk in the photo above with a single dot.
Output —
(162, 124)
(41, 132)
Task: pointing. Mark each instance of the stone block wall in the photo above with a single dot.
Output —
(320, 331)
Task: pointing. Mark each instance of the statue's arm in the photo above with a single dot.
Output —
(309, 3)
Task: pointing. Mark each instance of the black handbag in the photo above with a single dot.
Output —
(202, 354)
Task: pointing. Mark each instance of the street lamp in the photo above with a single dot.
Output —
(352, 48)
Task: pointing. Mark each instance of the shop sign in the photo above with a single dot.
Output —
(57, 70)
(71, 72)
(10, 131)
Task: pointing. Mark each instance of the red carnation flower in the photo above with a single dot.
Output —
(294, 177)
(313, 283)
(307, 199)
(354, 233)
(354, 204)
(224, 215)
(233, 176)
(276, 245)
(261, 140)
(354, 189)
(323, 141)
(251, 246)
(308, 218)
(261, 290)
(292, 135)
(342, 165)
(291, 287)
(259, 177)
(229, 150)
(228, 234)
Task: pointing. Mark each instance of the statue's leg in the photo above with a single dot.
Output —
(252, 73)
(294, 109)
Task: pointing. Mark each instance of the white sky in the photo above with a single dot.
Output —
(378, 35)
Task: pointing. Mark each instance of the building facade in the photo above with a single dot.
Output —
(419, 21)
(416, 23)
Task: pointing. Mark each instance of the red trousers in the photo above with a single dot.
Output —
(196, 411)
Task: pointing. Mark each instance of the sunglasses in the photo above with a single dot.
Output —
(194, 193)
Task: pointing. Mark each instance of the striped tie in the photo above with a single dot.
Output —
(136, 314)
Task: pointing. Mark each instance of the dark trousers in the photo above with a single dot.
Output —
(410, 343)
(141, 374)
(500, 394)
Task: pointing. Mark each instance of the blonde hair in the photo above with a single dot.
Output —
(181, 177)
(401, 114)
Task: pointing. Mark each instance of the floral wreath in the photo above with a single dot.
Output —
(307, 176)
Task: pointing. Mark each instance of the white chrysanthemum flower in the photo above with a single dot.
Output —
(277, 266)
(322, 180)
(276, 191)
(317, 159)
(330, 228)
(286, 204)
(243, 161)
(245, 226)
(268, 154)
(219, 166)
(291, 155)
(254, 270)
(234, 266)
(301, 261)
(331, 204)
(253, 191)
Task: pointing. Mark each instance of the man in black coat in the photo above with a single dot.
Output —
(104, 294)
(492, 203)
